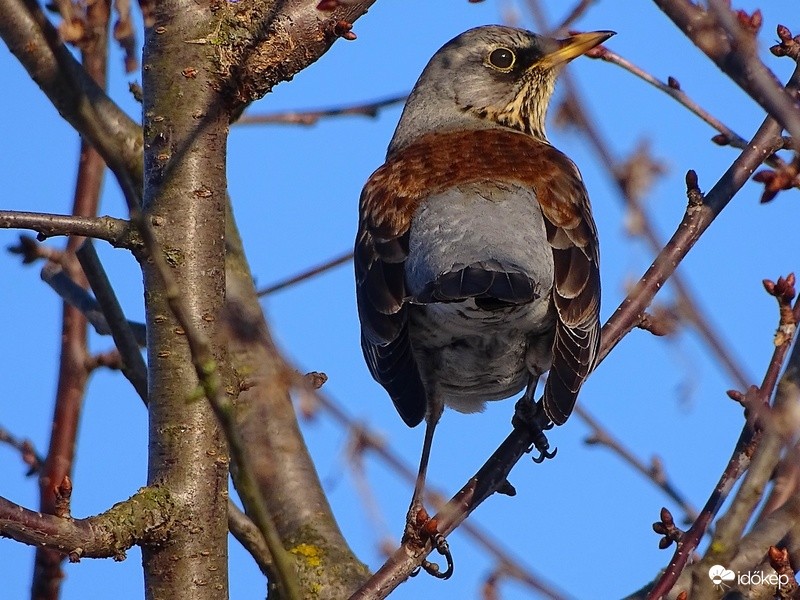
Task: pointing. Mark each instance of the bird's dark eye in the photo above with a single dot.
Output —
(502, 58)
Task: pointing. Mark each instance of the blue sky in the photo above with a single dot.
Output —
(582, 521)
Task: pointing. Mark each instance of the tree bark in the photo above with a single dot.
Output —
(327, 568)
(184, 193)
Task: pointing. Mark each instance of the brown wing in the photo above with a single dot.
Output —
(380, 252)
(572, 234)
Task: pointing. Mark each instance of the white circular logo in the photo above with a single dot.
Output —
(719, 574)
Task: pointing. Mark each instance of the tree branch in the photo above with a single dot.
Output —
(755, 431)
(73, 373)
(268, 427)
(133, 365)
(116, 232)
(37, 45)
(307, 274)
(145, 517)
(369, 440)
(733, 50)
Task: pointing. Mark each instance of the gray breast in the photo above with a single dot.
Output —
(467, 353)
(478, 222)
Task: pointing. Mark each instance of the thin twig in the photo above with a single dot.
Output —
(26, 450)
(133, 365)
(311, 117)
(672, 88)
(655, 473)
(740, 460)
(69, 291)
(308, 273)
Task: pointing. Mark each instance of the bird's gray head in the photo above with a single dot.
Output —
(488, 77)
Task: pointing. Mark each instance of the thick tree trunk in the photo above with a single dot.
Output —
(184, 198)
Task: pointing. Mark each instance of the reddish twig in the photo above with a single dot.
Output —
(672, 88)
(55, 486)
(654, 472)
(746, 445)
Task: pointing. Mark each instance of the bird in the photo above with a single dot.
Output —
(476, 256)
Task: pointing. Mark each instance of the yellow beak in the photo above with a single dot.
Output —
(574, 46)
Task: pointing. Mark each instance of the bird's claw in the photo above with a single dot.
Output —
(531, 417)
(543, 446)
(419, 529)
(443, 548)
(544, 455)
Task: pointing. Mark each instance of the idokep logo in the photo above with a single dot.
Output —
(723, 578)
(720, 575)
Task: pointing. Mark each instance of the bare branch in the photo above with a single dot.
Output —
(719, 35)
(370, 441)
(144, 517)
(655, 472)
(133, 365)
(673, 89)
(116, 232)
(750, 440)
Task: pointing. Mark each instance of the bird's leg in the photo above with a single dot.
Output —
(529, 415)
(417, 515)
(530, 389)
(419, 526)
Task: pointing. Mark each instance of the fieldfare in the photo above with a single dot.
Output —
(476, 256)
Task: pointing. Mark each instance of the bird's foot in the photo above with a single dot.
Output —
(421, 528)
(530, 416)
